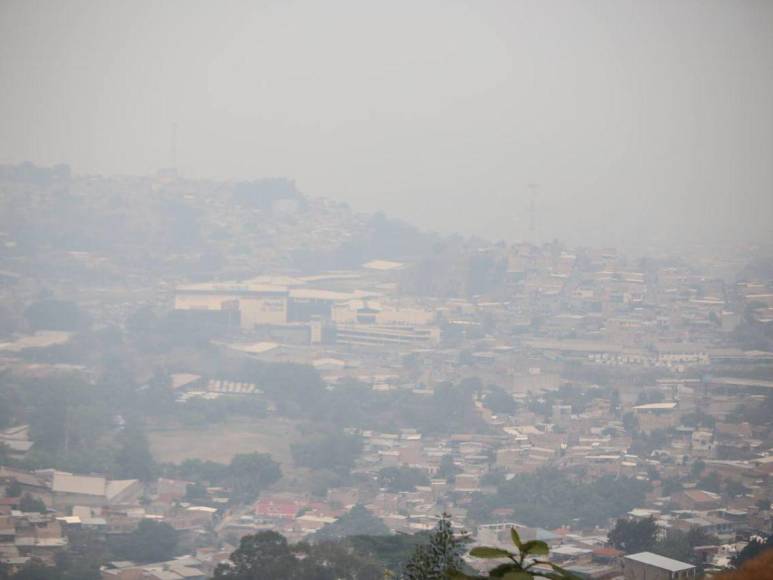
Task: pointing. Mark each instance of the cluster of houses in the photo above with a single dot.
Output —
(41, 510)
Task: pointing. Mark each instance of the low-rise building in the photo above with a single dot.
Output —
(649, 566)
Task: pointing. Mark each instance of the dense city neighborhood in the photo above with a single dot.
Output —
(184, 363)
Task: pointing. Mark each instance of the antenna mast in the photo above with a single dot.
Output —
(533, 213)
(173, 147)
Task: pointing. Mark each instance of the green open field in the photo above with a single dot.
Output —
(221, 442)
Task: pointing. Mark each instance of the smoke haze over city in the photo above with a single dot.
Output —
(640, 122)
(355, 290)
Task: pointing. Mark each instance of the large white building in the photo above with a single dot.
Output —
(359, 317)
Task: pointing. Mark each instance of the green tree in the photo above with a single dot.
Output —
(630, 423)
(55, 315)
(711, 482)
(7, 404)
(36, 570)
(438, 557)
(151, 542)
(674, 545)
(268, 556)
(31, 504)
(133, 458)
(357, 521)
(452, 407)
(328, 450)
(403, 478)
(499, 401)
(323, 480)
(735, 488)
(265, 555)
(697, 537)
(550, 498)
(14, 489)
(447, 469)
(296, 389)
(699, 419)
(633, 536)
(249, 473)
(671, 486)
(195, 492)
(86, 553)
(5, 454)
(69, 419)
(198, 470)
(754, 548)
(392, 551)
(48, 414)
(647, 397)
(335, 561)
(614, 402)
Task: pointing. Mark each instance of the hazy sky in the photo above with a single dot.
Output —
(641, 121)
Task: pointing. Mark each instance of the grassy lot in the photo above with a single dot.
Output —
(221, 442)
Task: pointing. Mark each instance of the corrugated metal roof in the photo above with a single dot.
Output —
(659, 561)
(79, 484)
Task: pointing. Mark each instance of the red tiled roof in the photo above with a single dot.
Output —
(278, 508)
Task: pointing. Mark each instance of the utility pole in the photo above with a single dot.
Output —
(173, 147)
(533, 213)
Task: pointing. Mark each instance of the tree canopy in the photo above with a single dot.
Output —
(551, 498)
(327, 450)
(151, 542)
(268, 556)
(402, 478)
(249, 473)
(435, 559)
(356, 522)
(447, 468)
(499, 401)
(754, 548)
(55, 315)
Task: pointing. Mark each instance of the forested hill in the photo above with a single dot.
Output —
(129, 230)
